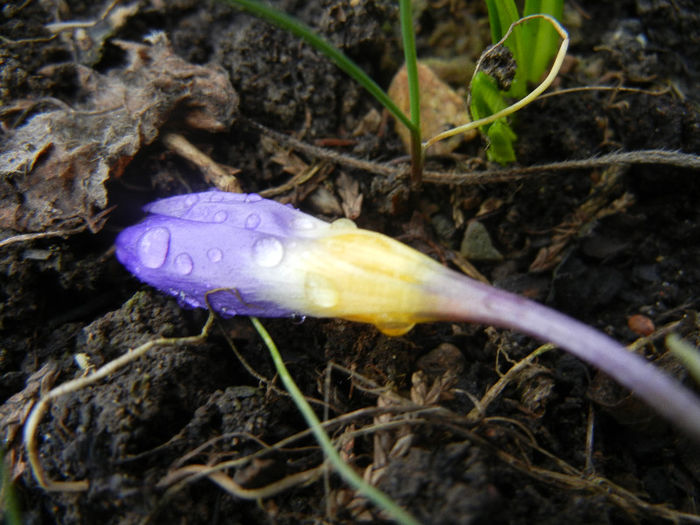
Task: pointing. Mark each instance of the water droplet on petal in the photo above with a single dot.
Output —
(184, 264)
(191, 200)
(253, 197)
(185, 300)
(252, 221)
(303, 224)
(268, 252)
(321, 291)
(226, 311)
(216, 196)
(220, 216)
(153, 247)
(343, 224)
(395, 328)
(215, 255)
(298, 318)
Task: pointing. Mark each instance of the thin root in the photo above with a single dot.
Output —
(79, 383)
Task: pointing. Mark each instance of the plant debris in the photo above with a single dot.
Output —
(54, 167)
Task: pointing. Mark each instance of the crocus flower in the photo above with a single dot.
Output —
(245, 255)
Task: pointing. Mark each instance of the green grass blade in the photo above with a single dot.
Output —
(503, 13)
(409, 51)
(9, 508)
(686, 353)
(487, 100)
(501, 139)
(346, 472)
(486, 97)
(294, 26)
(540, 38)
(411, 59)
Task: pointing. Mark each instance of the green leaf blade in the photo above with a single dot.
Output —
(301, 30)
(486, 100)
(540, 37)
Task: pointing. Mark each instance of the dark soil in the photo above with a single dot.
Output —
(560, 444)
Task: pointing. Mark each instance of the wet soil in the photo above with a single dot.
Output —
(561, 443)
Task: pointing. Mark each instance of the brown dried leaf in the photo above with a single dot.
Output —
(349, 191)
(440, 109)
(54, 167)
(369, 124)
(325, 202)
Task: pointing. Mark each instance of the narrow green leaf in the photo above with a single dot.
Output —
(351, 477)
(502, 13)
(411, 60)
(9, 507)
(686, 353)
(307, 34)
(501, 138)
(540, 38)
(486, 100)
(409, 50)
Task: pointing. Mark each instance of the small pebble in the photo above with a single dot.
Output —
(641, 324)
(477, 245)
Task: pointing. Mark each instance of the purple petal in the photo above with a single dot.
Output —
(193, 244)
(237, 210)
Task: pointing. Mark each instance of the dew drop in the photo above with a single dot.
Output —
(268, 252)
(394, 329)
(191, 200)
(215, 255)
(343, 224)
(226, 311)
(185, 300)
(184, 264)
(321, 291)
(220, 216)
(298, 318)
(253, 197)
(216, 196)
(153, 247)
(252, 221)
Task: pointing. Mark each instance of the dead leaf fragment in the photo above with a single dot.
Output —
(440, 109)
(325, 202)
(54, 167)
(14, 412)
(349, 191)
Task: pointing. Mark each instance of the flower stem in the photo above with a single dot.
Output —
(477, 302)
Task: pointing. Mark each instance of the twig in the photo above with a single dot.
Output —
(492, 393)
(25, 237)
(651, 156)
(493, 176)
(222, 177)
